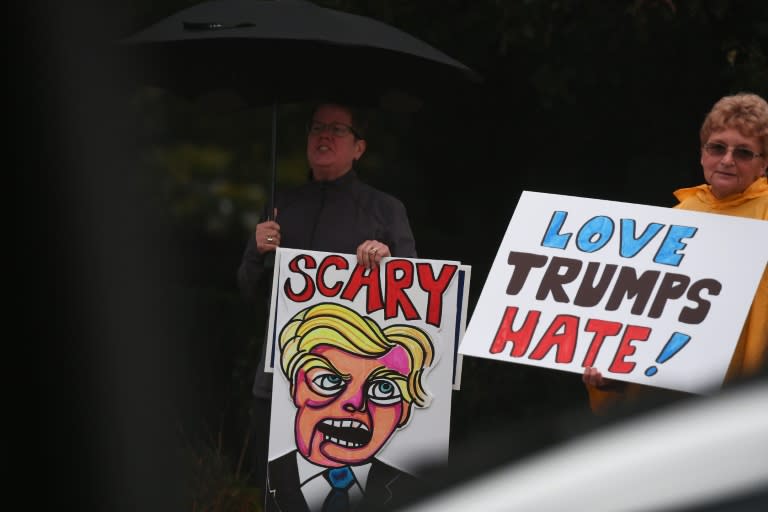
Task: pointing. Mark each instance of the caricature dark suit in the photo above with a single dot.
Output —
(385, 486)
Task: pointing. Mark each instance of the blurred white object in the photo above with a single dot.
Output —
(700, 452)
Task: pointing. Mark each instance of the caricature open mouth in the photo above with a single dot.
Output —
(348, 433)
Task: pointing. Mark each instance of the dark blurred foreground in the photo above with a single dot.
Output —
(692, 454)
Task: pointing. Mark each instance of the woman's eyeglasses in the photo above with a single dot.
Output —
(336, 129)
(739, 154)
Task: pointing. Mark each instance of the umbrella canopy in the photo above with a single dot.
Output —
(282, 51)
(289, 50)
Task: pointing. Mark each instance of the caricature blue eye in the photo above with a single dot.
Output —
(327, 383)
(384, 392)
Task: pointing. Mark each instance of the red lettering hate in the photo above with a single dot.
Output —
(626, 348)
(561, 334)
(602, 329)
(520, 339)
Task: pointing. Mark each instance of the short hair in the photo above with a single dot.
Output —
(360, 115)
(342, 327)
(745, 112)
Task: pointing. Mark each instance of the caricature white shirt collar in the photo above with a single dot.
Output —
(315, 488)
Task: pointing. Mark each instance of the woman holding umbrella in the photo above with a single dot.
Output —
(334, 212)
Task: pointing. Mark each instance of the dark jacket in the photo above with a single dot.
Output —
(386, 486)
(332, 216)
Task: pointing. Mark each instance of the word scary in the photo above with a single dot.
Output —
(400, 276)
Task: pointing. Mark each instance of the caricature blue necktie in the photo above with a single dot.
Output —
(338, 498)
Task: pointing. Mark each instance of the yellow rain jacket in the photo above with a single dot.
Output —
(750, 354)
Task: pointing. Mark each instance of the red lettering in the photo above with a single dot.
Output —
(308, 291)
(631, 333)
(565, 342)
(332, 260)
(400, 277)
(395, 286)
(602, 329)
(520, 339)
(363, 277)
(435, 289)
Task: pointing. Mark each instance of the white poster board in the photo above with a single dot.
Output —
(646, 294)
(401, 295)
(462, 299)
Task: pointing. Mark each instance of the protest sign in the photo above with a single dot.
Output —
(364, 363)
(645, 294)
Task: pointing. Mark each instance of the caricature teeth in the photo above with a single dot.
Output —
(347, 433)
(345, 424)
(342, 442)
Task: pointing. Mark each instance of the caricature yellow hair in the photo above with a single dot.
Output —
(341, 327)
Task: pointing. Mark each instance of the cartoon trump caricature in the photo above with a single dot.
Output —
(353, 384)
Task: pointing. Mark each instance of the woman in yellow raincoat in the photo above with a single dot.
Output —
(734, 158)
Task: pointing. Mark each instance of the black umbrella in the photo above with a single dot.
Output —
(276, 51)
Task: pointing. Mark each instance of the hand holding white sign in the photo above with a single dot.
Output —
(626, 288)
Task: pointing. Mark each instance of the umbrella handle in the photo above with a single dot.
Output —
(269, 260)
(271, 209)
